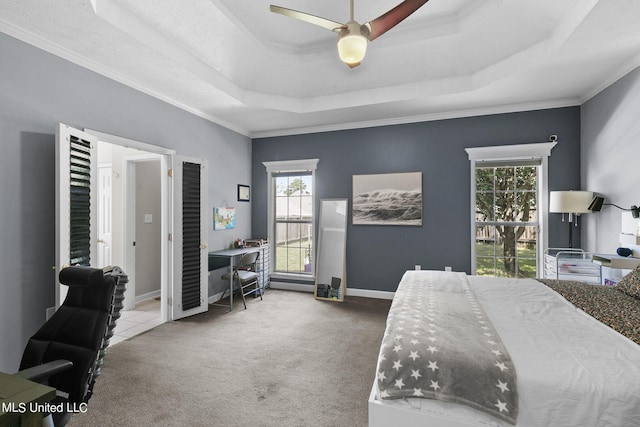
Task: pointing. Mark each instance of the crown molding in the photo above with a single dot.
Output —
(503, 109)
(84, 62)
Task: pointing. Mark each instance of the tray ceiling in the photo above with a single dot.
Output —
(262, 74)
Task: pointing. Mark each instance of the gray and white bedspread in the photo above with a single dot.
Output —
(439, 344)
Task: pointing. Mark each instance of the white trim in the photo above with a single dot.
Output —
(129, 223)
(511, 152)
(299, 287)
(619, 73)
(353, 292)
(163, 154)
(148, 296)
(291, 165)
(370, 293)
(112, 74)
(129, 143)
(216, 297)
(539, 151)
(301, 165)
(430, 117)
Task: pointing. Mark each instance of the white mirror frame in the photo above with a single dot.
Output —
(331, 262)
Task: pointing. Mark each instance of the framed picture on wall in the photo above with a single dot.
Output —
(244, 193)
(224, 218)
(387, 199)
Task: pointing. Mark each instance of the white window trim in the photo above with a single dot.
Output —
(304, 165)
(538, 151)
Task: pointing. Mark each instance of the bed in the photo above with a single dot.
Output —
(569, 369)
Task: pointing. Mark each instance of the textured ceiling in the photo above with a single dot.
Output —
(261, 74)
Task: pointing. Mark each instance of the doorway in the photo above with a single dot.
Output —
(130, 230)
(183, 194)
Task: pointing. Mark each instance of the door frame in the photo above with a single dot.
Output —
(108, 168)
(129, 222)
(165, 155)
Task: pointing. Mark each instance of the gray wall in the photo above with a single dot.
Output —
(377, 256)
(148, 242)
(610, 154)
(39, 90)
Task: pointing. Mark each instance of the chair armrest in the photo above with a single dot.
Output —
(40, 372)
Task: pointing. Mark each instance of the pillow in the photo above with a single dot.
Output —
(630, 284)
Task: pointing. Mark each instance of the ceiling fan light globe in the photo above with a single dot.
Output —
(352, 48)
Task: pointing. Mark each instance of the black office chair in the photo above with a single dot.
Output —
(246, 276)
(67, 352)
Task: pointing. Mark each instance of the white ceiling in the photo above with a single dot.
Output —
(263, 74)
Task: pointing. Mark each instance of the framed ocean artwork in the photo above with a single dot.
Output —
(387, 199)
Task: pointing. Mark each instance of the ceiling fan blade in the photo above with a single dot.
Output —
(390, 19)
(312, 19)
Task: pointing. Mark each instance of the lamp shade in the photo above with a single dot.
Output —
(352, 44)
(352, 48)
(575, 202)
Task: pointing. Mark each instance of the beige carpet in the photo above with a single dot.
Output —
(288, 360)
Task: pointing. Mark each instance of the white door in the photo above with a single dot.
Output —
(77, 219)
(76, 192)
(190, 257)
(104, 215)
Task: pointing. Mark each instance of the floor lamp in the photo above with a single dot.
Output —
(573, 203)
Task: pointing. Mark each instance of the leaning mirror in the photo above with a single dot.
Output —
(331, 275)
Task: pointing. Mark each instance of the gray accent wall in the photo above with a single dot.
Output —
(610, 155)
(377, 256)
(37, 91)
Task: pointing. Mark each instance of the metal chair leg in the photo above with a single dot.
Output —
(244, 301)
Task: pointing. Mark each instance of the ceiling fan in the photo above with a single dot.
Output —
(352, 36)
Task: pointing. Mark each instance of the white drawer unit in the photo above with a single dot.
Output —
(571, 264)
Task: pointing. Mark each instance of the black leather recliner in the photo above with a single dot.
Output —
(68, 350)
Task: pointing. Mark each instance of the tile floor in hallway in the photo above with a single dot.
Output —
(145, 316)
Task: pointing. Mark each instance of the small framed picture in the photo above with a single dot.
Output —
(244, 193)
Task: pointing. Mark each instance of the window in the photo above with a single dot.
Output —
(293, 222)
(291, 215)
(506, 219)
(509, 199)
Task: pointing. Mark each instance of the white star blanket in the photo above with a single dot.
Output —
(439, 344)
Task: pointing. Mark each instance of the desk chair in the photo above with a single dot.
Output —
(68, 350)
(246, 276)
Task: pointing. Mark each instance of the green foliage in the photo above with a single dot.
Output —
(297, 185)
(507, 194)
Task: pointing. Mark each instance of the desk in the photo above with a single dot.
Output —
(228, 255)
(16, 395)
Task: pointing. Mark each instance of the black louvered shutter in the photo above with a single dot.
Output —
(191, 238)
(80, 202)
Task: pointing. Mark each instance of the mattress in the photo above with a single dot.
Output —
(571, 369)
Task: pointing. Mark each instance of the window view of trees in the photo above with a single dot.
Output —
(293, 223)
(506, 221)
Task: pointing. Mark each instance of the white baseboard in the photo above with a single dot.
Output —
(366, 293)
(148, 296)
(216, 297)
(291, 286)
(369, 293)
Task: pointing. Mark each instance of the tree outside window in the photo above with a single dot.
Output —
(506, 220)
